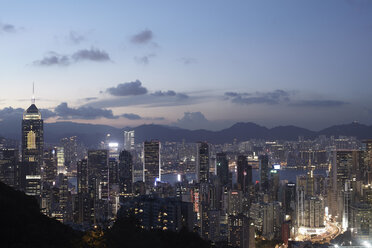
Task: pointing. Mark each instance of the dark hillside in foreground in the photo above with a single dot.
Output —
(24, 226)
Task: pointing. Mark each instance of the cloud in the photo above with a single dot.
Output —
(75, 37)
(128, 89)
(53, 59)
(318, 103)
(193, 120)
(17, 113)
(143, 37)
(8, 28)
(46, 113)
(188, 61)
(88, 113)
(144, 59)
(90, 98)
(274, 97)
(169, 93)
(93, 54)
(11, 113)
(131, 116)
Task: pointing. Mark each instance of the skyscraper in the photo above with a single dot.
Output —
(32, 150)
(125, 172)
(70, 150)
(85, 202)
(98, 180)
(244, 176)
(129, 140)
(222, 168)
(151, 162)
(264, 172)
(202, 162)
(50, 166)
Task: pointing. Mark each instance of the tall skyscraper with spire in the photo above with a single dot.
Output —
(32, 149)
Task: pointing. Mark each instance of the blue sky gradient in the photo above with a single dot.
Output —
(204, 64)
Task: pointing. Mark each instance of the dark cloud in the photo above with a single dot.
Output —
(318, 103)
(146, 100)
(128, 89)
(188, 61)
(88, 113)
(131, 116)
(143, 37)
(8, 28)
(90, 98)
(274, 97)
(91, 54)
(46, 113)
(170, 93)
(164, 93)
(17, 113)
(53, 59)
(11, 113)
(75, 37)
(144, 59)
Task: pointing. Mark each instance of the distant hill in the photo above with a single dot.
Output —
(91, 134)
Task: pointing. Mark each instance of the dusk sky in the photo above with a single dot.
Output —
(193, 64)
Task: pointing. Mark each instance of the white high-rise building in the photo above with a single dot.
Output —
(129, 140)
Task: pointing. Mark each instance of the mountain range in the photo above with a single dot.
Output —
(91, 134)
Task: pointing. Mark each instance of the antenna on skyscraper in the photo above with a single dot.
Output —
(33, 93)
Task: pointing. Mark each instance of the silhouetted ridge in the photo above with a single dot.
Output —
(24, 226)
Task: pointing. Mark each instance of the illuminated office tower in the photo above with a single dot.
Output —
(61, 168)
(151, 162)
(222, 168)
(98, 180)
(264, 172)
(202, 162)
(85, 202)
(125, 172)
(244, 172)
(32, 150)
(129, 140)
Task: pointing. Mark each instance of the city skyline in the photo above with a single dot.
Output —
(192, 65)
